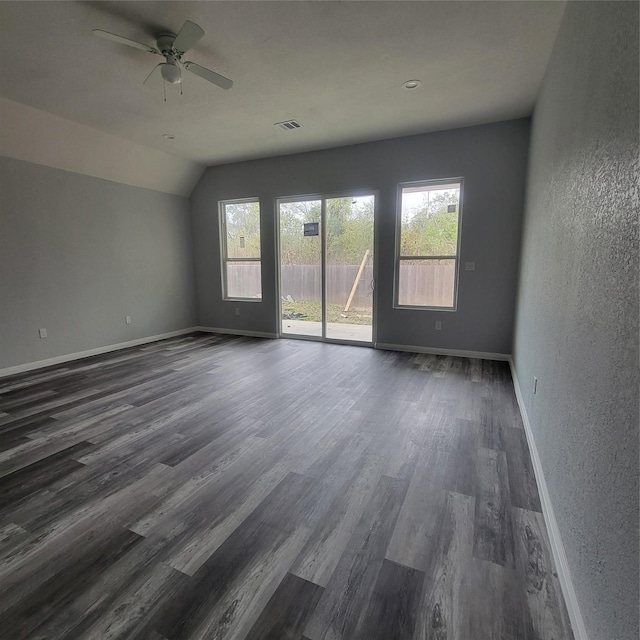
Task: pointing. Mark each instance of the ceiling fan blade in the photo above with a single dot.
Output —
(152, 72)
(131, 43)
(207, 74)
(188, 36)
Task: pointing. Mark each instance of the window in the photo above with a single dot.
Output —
(428, 244)
(240, 234)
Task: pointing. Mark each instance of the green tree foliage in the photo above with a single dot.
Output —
(295, 247)
(349, 231)
(428, 227)
(243, 229)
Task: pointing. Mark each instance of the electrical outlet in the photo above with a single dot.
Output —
(127, 319)
(42, 333)
(535, 385)
(438, 325)
(469, 266)
(237, 311)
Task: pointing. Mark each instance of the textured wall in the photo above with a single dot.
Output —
(577, 316)
(78, 254)
(491, 158)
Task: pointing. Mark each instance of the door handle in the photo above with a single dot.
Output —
(373, 284)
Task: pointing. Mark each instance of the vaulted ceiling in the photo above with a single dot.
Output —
(336, 67)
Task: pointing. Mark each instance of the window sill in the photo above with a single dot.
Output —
(417, 308)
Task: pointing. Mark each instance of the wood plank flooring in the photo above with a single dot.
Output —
(217, 487)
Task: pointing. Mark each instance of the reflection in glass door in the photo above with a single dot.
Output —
(326, 267)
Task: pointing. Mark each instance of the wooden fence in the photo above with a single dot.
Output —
(304, 282)
(429, 284)
(421, 284)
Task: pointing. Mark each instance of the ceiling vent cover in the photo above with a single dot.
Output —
(288, 125)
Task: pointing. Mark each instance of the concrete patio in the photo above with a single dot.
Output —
(335, 330)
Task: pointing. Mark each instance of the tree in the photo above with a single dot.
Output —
(349, 229)
(295, 247)
(428, 227)
(242, 222)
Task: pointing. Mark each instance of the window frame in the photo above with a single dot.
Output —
(398, 245)
(224, 258)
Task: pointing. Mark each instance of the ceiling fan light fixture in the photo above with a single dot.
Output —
(411, 84)
(172, 48)
(171, 73)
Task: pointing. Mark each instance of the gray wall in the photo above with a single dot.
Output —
(78, 254)
(577, 319)
(491, 158)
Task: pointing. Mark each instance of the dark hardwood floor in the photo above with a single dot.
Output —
(216, 487)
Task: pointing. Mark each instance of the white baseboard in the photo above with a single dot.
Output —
(557, 548)
(237, 332)
(40, 364)
(482, 355)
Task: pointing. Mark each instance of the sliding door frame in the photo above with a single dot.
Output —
(323, 197)
(278, 202)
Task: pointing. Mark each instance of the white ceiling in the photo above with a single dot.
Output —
(337, 67)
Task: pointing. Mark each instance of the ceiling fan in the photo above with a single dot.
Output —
(173, 47)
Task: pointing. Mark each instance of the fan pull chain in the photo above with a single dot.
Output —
(164, 88)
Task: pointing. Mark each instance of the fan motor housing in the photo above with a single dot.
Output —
(165, 43)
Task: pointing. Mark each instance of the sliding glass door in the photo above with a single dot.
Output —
(349, 268)
(301, 267)
(326, 267)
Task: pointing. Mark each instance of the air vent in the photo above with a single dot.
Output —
(288, 125)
